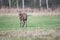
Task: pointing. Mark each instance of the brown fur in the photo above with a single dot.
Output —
(23, 19)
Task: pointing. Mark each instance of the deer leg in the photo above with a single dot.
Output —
(20, 23)
(26, 23)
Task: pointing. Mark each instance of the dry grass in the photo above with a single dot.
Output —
(36, 34)
(26, 34)
(29, 11)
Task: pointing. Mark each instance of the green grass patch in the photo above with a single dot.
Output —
(12, 22)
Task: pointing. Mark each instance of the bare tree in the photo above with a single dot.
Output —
(17, 4)
(9, 3)
(47, 3)
(23, 6)
(34, 2)
(40, 3)
(1, 3)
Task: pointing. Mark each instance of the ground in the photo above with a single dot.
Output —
(38, 28)
(11, 22)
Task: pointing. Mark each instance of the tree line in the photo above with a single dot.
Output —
(29, 3)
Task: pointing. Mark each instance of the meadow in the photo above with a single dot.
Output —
(12, 22)
(10, 28)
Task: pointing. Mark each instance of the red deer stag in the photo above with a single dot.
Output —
(23, 19)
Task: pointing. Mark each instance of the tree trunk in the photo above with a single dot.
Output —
(47, 3)
(9, 3)
(34, 2)
(17, 4)
(1, 3)
(40, 3)
(23, 6)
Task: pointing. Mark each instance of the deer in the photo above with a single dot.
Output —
(23, 19)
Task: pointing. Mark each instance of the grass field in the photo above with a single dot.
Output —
(12, 22)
